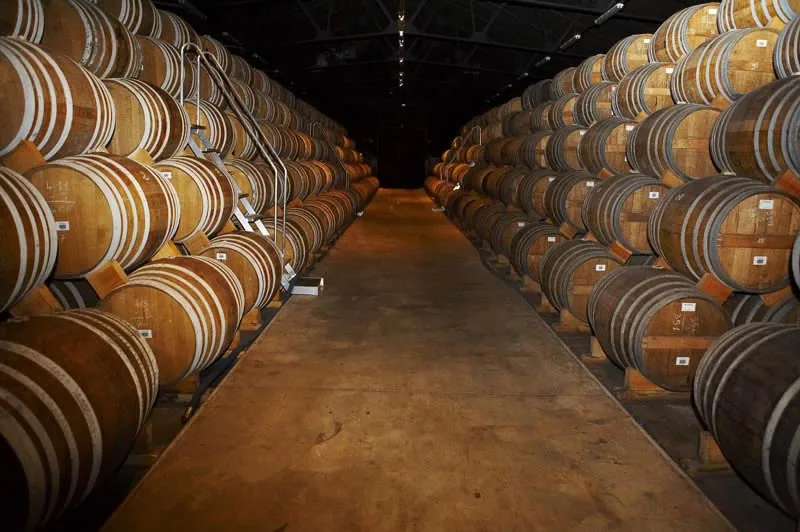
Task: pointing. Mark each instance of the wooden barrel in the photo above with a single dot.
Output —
(562, 148)
(796, 261)
(206, 195)
(604, 147)
(494, 180)
(517, 124)
(67, 424)
(254, 260)
(561, 112)
(139, 16)
(176, 31)
(655, 321)
(683, 32)
(535, 94)
(563, 83)
(674, 139)
(23, 19)
(757, 135)
(317, 223)
(299, 180)
(161, 66)
(787, 50)
(29, 245)
(290, 243)
(541, 117)
(76, 114)
(219, 128)
(208, 90)
(564, 198)
(106, 207)
(533, 149)
(749, 308)
(737, 14)
(241, 70)
(725, 67)
(475, 177)
(504, 230)
(147, 119)
(625, 56)
(246, 95)
(252, 182)
(187, 308)
(529, 246)
(589, 72)
(486, 219)
(510, 186)
(244, 147)
(533, 188)
(644, 91)
(738, 229)
(74, 294)
(218, 50)
(746, 393)
(595, 103)
(618, 209)
(569, 272)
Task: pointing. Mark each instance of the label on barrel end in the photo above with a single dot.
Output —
(520, 224)
(166, 175)
(647, 41)
(629, 127)
(670, 70)
(761, 43)
(654, 195)
(766, 204)
(590, 184)
(599, 267)
(688, 307)
(682, 361)
(146, 333)
(760, 261)
(551, 179)
(551, 239)
(222, 256)
(62, 226)
(713, 11)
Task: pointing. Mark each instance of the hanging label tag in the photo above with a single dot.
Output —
(759, 261)
(166, 175)
(688, 307)
(654, 195)
(551, 239)
(62, 226)
(647, 41)
(682, 361)
(146, 333)
(766, 204)
(590, 184)
(599, 267)
(222, 256)
(670, 70)
(629, 127)
(761, 43)
(713, 11)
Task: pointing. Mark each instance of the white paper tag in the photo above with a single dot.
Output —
(599, 267)
(760, 261)
(590, 184)
(766, 204)
(520, 224)
(682, 361)
(222, 256)
(551, 239)
(146, 333)
(688, 307)
(761, 43)
(713, 11)
(654, 195)
(647, 41)
(670, 70)
(629, 128)
(583, 132)
(614, 88)
(551, 179)
(62, 226)
(166, 175)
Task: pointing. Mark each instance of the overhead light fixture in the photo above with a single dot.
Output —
(525, 74)
(403, 105)
(543, 61)
(402, 59)
(613, 10)
(572, 40)
(509, 85)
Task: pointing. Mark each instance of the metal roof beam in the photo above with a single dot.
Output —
(491, 43)
(571, 8)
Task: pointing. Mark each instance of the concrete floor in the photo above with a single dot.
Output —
(417, 393)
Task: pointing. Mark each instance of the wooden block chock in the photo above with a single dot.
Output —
(513, 275)
(662, 264)
(39, 301)
(107, 278)
(196, 243)
(251, 321)
(545, 307)
(567, 322)
(637, 386)
(789, 182)
(709, 457)
(227, 228)
(605, 174)
(773, 298)
(142, 156)
(671, 180)
(167, 251)
(568, 230)
(276, 301)
(530, 286)
(589, 237)
(24, 157)
(596, 351)
(620, 251)
(711, 285)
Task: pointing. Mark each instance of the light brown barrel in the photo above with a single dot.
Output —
(29, 243)
(206, 195)
(618, 209)
(246, 95)
(683, 32)
(561, 112)
(655, 321)
(725, 67)
(738, 14)
(533, 188)
(674, 139)
(75, 112)
(644, 91)
(74, 294)
(563, 83)
(532, 149)
(219, 129)
(316, 220)
(787, 50)
(67, 424)
(504, 230)
(510, 186)
(529, 246)
(589, 72)
(564, 198)
(290, 242)
(186, 308)
(562, 148)
(746, 394)
(535, 94)
(493, 180)
(105, 207)
(23, 19)
(596, 103)
(148, 118)
(139, 16)
(251, 181)
(245, 147)
(517, 124)
(737, 229)
(750, 308)
(570, 270)
(218, 50)
(485, 220)
(161, 66)
(475, 178)
(757, 136)
(603, 149)
(540, 116)
(241, 70)
(625, 56)
(208, 89)
(176, 31)
(254, 260)
(796, 261)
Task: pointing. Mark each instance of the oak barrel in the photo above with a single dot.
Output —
(245, 147)
(604, 147)
(595, 104)
(683, 32)
(533, 189)
(23, 19)
(535, 94)
(787, 50)
(736, 14)
(626, 55)
(529, 246)
(563, 83)
(161, 66)
(290, 242)
(252, 182)
(589, 72)
(176, 31)
(644, 91)
(533, 149)
(749, 308)
(562, 111)
(562, 148)
(564, 198)
(74, 294)
(541, 117)
(139, 16)
(218, 50)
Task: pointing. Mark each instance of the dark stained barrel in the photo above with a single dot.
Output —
(535, 94)
(595, 103)
(644, 91)
(562, 148)
(563, 83)
(787, 50)
(529, 246)
(562, 111)
(504, 229)
(604, 148)
(533, 149)
(533, 188)
(564, 198)
(750, 308)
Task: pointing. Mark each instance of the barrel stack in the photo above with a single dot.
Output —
(161, 249)
(657, 193)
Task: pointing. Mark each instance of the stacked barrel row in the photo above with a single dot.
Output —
(651, 195)
(104, 176)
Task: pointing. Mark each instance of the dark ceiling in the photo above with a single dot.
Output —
(460, 56)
